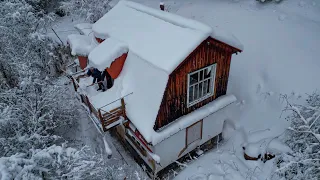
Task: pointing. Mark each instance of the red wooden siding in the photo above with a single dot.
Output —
(99, 40)
(116, 66)
(174, 102)
(83, 61)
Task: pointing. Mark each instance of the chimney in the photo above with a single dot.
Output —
(162, 6)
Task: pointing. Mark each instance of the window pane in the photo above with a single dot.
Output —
(205, 87)
(201, 75)
(191, 93)
(200, 90)
(207, 73)
(196, 92)
(208, 84)
(194, 78)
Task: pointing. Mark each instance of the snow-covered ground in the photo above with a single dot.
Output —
(280, 57)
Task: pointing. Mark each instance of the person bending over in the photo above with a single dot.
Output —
(96, 74)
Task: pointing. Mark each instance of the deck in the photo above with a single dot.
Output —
(106, 116)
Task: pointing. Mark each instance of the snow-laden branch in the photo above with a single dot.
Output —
(317, 136)
(316, 119)
(303, 137)
(296, 109)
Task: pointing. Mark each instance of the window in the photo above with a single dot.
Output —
(194, 132)
(201, 84)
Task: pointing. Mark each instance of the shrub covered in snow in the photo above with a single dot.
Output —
(36, 108)
(58, 162)
(23, 45)
(91, 10)
(304, 139)
(32, 114)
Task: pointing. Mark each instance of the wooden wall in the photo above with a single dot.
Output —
(174, 102)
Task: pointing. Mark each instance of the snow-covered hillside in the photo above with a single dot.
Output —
(279, 58)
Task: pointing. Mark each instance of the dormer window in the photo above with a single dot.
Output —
(201, 84)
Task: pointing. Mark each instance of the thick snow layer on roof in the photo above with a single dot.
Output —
(142, 106)
(226, 37)
(80, 44)
(159, 37)
(191, 118)
(137, 77)
(147, 83)
(84, 28)
(106, 52)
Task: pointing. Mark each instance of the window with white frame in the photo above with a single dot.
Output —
(201, 84)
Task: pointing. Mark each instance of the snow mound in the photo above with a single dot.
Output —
(80, 44)
(104, 54)
(84, 28)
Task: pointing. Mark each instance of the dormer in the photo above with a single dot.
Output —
(109, 55)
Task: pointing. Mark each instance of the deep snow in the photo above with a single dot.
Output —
(280, 57)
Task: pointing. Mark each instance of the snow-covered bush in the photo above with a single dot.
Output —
(91, 10)
(22, 45)
(304, 139)
(32, 115)
(36, 108)
(45, 6)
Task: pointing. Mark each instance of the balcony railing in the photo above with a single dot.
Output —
(108, 119)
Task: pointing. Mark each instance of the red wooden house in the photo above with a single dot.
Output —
(170, 81)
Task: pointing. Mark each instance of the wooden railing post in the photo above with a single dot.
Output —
(74, 84)
(101, 120)
(123, 107)
(89, 104)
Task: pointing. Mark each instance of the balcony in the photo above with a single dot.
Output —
(104, 116)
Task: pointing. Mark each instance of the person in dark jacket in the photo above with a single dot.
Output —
(109, 79)
(97, 76)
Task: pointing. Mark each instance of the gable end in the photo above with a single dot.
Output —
(174, 101)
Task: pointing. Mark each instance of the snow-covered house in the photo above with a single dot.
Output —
(170, 81)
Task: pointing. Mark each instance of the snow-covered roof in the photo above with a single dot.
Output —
(80, 44)
(162, 38)
(143, 104)
(84, 28)
(156, 42)
(106, 52)
(145, 81)
(226, 37)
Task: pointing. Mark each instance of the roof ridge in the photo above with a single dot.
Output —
(147, 10)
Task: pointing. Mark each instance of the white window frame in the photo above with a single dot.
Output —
(211, 86)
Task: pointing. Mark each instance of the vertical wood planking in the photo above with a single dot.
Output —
(174, 102)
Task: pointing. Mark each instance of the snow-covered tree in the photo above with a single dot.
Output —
(33, 114)
(36, 107)
(304, 139)
(91, 10)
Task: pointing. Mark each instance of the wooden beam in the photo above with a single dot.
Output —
(123, 106)
(101, 120)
